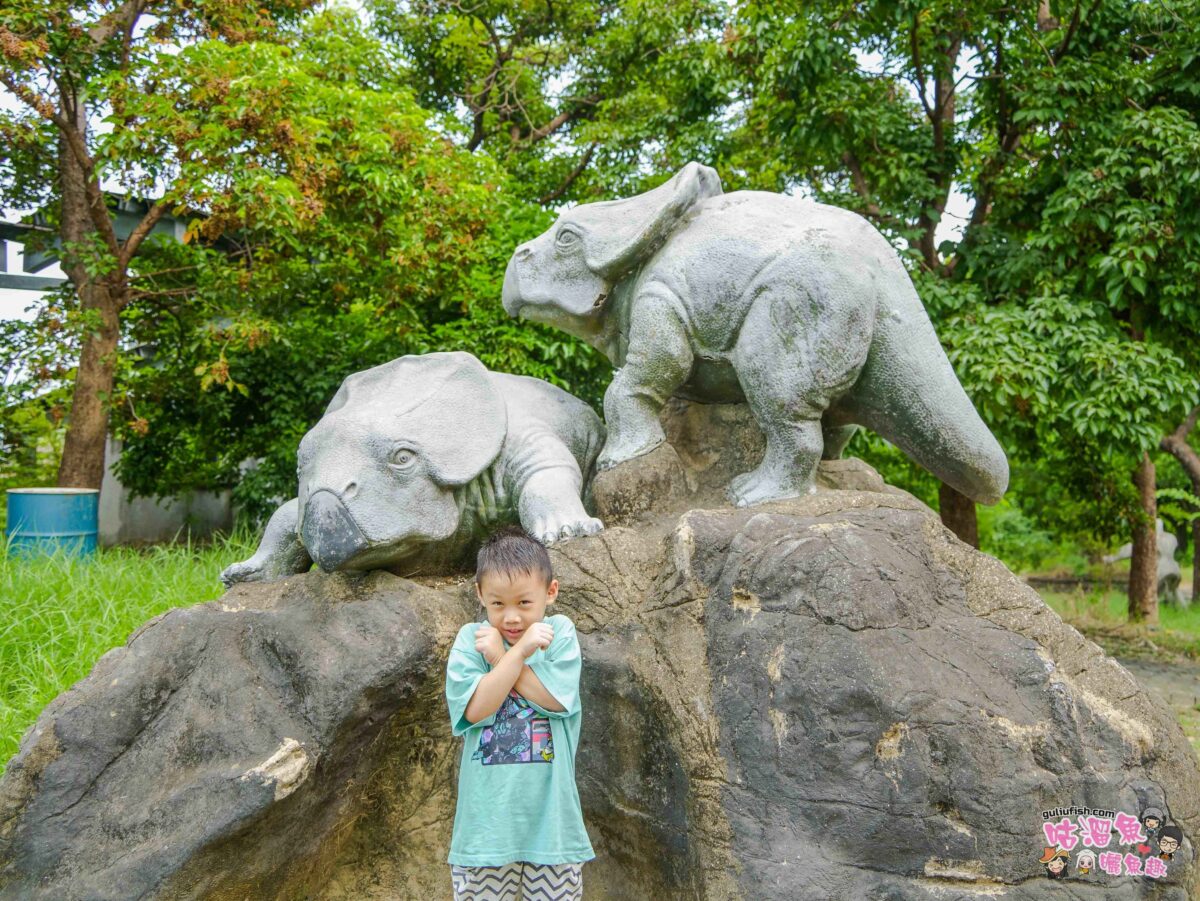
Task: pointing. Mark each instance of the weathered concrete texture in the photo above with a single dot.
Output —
(825, 698)
(417, 459)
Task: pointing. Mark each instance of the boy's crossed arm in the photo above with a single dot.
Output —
(509, 671)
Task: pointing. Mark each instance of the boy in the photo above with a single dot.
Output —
(512, 687)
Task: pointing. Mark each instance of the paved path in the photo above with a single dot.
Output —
(1178, 684)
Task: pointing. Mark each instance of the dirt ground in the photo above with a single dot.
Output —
(1178, 684)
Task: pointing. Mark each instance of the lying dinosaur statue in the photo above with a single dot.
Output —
(416, 459)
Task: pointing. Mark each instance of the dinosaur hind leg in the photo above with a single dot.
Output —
(799, 349)
(835, 438)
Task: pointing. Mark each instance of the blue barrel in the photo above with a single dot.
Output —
(45, 520)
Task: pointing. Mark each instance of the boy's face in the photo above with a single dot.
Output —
(1168, 845)
(515, 602)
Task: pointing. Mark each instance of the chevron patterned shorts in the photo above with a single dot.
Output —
(519, 881)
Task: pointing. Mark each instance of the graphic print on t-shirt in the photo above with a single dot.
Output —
(518, 735)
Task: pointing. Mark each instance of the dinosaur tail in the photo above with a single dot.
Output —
(908, 393)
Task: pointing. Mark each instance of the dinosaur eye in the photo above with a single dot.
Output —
(402, 458)
(567, 238)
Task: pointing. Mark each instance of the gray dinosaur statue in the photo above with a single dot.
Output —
(1168, 573)
(802, 310)
(416, 459)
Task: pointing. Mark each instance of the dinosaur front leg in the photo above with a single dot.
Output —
(657, 362)
(279, 554)
(550, 508)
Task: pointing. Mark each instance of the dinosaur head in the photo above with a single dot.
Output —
(378, 473)
(563, 276)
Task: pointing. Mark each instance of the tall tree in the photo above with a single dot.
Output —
(75, 67)
(336, 226)
(1177, 445)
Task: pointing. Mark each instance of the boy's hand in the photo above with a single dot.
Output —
(488, 643)
(539, 635)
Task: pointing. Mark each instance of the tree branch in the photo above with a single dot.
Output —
(860, 183)
(570, 180)
(32, 99)
(920, 71)
(941, 169)
(478, 103)
(140, 231)
(97, 209)
(122, 19)
(1176, 444)
(557, 122)
(1062, 48)
(871, 210)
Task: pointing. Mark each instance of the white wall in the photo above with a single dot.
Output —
(127, 521)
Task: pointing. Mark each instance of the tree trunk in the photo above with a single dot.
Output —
(1143, 570)
(1196, 552)
(958, 514)
(82, 464)
(1176, 444)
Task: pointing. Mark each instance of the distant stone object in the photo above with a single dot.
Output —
(829, 697)
(801, 310)
(416, 459)
(1168, 570)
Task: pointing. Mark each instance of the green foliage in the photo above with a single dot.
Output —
(894, 466)
(1006, 532)
(576, 100)
(1177, 506)
(338, 218)
(30, 420)
(62, 613)
(342, 232)
(1067, 309)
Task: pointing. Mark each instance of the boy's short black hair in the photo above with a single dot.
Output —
(1172, 832)
(512, 551)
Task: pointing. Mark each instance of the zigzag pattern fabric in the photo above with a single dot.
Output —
(518, 881)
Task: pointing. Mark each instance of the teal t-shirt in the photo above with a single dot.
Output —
(517, 798)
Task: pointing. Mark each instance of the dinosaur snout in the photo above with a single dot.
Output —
(328, 532)
(510, 297)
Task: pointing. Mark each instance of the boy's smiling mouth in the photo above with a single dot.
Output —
(513, 633)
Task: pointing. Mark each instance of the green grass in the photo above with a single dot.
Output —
(1103, 616)
(60, 614)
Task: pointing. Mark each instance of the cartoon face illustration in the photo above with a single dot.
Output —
(1152, 819)
(1055, 861)
(1085, 862)
(1169, 841)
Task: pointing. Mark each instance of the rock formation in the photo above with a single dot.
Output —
(829, 697)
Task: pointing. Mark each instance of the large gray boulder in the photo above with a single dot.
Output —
(823, 698)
